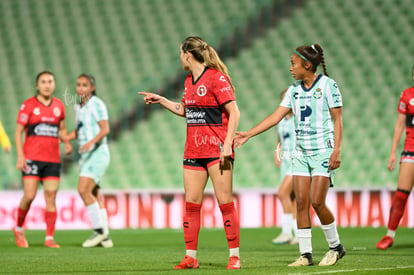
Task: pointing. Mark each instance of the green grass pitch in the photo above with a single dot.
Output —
(154, 251)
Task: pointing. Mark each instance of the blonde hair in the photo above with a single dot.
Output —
(205, 54)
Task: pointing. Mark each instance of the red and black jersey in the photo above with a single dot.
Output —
(207, 119)
(42, 129)
(406, 106)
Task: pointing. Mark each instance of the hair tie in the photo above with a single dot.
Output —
(314, 48)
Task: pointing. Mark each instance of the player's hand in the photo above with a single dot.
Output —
(240, 139)
(334, 160)
(225, 154)
(21, 163)
(150, 98)
(391, 162)
(68, 148)
(86, 147)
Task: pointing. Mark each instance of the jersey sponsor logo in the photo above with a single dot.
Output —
(225, 89)
(36, 111)
(203, 116)
(305, 132)
(317, 94)
(56, 111)
(305, 111)
(335, 85)
(411, 101)
(296, 95)
(201, 90)
(223, 78)
(24, 118)
(48, 119)
(43, 129)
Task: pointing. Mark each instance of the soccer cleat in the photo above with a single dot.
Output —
(107, 243)
(303, 260)
(294, 240)
(283, 239)
(94, 240)
(234, 263)
(187, 263)
(332, 256)
(51, 244)
(20, 238)
(385, 242)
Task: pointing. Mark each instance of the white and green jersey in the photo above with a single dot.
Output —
(313, 121)
(286, 130)
(87, 118)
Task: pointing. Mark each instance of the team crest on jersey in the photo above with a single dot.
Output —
(56, 111)
(201, 90)
(36, 111)
(411, 101)
(318, 93)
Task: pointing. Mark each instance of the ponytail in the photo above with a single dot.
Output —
(212, 60)
(205, 54)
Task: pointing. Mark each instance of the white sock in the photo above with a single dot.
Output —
(95, 215)
(191, 253)
(295, 227)
(305, 240)
(331, 234)
(104, 215)
(234, 252)
(287, 224)
(391, 233)
(49, 238)
(19, 228)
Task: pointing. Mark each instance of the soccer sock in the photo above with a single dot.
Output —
(231, 226)
(295, 227)
(21, 216)
(50, 219)
(104, 215)
(331, 234)
(191, 227)
(397, 209)
(95, 217)
(287, 224)
(305, 240)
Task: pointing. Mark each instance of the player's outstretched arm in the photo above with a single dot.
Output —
(265, 124)
(174, 107)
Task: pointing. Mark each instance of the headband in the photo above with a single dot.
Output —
(301, 56)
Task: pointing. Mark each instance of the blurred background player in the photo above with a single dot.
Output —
(92, 129)
(283, 159)
(405, 120)
(4, 139)
(212, 117)
(316, 103)
(42, 119)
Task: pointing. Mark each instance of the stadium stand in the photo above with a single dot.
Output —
(131, 46)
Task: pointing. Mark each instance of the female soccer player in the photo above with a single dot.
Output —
(42, 119)
(316, 103)
(405, 120)
(283, 159)
(212, 117)
(92, 128)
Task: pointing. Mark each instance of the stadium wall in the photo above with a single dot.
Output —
(257, 208)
